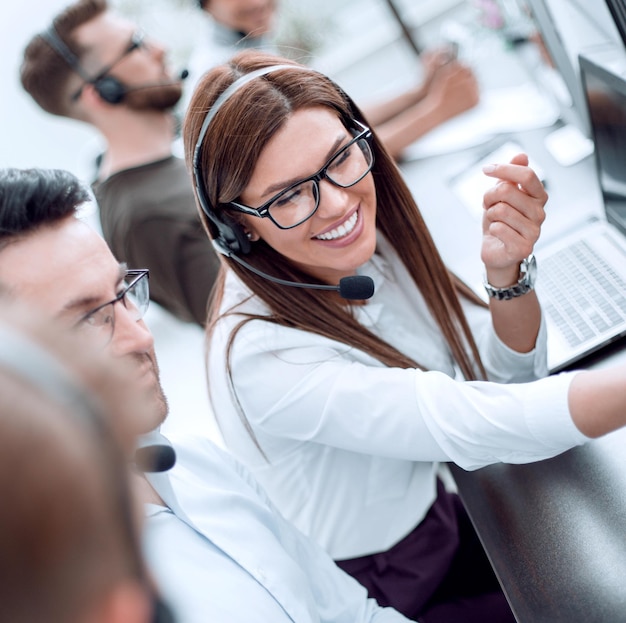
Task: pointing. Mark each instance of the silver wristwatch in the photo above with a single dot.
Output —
(526, 283)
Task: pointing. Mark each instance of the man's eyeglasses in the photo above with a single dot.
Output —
(137, 41)
(299, 202)
(135, 296)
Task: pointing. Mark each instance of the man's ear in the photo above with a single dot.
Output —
(90, 97)
(127, 602)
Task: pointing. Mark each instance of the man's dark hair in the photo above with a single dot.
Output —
(31, 198)
(44, 73)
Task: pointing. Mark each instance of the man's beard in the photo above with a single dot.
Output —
(158, 97)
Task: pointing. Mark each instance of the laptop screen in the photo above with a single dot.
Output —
(604, 86)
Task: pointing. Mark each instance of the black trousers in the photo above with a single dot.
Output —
(439, 573)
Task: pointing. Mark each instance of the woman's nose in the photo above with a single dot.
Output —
(333, 199)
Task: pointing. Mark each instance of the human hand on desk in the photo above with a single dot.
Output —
(512, 219)
(451, 86)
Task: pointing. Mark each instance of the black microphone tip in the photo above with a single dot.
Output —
(356, 287)
(155, 458)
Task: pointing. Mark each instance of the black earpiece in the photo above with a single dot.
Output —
(229, 235)
(110, 89)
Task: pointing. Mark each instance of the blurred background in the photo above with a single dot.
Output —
(338, 33)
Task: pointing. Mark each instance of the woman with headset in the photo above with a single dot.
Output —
(343, 402)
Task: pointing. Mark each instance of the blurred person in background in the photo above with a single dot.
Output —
(448, 87)
(94, 66)
(69, 529)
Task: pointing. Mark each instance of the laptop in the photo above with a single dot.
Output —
(582, 271)
(582, 278)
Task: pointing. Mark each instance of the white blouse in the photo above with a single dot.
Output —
(350, 446)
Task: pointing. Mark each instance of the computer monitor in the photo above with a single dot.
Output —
(603, 77)
(568, 29)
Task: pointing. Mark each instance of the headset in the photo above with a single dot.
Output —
(230, 239)
(32, 363)
(230, 235)
(110, 89)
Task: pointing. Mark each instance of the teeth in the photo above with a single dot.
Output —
(343, 230)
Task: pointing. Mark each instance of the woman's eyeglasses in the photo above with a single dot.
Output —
(299, 202)
(135, 296)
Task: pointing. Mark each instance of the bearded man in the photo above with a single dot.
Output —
(97, 67)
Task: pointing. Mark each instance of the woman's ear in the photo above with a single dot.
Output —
(251, 235)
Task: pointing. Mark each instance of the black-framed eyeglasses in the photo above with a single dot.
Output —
(137, 41)
(299, 202)
(135, 295)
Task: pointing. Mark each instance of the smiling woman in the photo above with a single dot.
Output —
(331, 221)
(329, 402)
(344, 410)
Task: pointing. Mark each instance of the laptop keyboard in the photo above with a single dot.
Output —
(582, 294)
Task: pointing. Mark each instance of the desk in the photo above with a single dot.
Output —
(555, 531)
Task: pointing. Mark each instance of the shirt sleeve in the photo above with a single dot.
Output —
(503, 364)
(321, 393)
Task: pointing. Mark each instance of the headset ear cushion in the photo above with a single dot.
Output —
(232, 235)
(110, 89)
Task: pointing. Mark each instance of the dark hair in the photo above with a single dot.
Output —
(31, 198)
(231, 147)
(44, 74)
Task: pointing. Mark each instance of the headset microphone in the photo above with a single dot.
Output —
(353, 288)
(122, 90)
(154, 453)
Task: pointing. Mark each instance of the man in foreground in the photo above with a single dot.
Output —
(216, 545)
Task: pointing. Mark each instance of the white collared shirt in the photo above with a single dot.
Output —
(220, 551)
(353, 445)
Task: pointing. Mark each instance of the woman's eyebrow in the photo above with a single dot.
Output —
(284, 184)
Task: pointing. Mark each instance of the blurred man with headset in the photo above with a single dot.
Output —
(94, 66)
(217, 547)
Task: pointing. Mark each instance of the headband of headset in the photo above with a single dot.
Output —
(230, 235)
(110, 89)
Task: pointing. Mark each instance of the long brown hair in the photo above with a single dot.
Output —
(231, 147)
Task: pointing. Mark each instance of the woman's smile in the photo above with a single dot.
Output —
(341, 235)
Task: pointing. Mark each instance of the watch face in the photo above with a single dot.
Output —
(531, 270)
